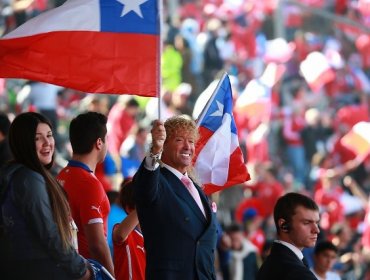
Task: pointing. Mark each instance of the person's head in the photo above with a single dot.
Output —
(4, 126)
(141, 135)
(31, 141)
(87, 131)
(130, 104)
(126, 196)
(325, 255)
(179, 147)
(296, 218)
(236, 234)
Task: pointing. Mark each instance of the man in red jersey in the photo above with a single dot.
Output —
(87, 198)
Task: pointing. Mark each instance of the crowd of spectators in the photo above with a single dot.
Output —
(295, 145)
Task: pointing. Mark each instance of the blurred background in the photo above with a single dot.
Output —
(300, 78)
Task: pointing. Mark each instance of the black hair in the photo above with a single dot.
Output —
(85, 129)
(126, 194)
(286, 205)
(323, 246)
(234, 227)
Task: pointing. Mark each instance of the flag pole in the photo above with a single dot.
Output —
(159, 58)
(205, 109)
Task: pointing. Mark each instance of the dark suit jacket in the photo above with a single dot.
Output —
(179, 241)
(283, 264)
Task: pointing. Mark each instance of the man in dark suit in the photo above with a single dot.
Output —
(296, 219)
(177, 222)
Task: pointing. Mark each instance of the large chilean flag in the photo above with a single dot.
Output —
(219, 162)
(101, 46)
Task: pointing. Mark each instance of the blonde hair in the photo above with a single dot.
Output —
(181, 123)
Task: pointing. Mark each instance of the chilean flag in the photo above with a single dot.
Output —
(101, 46)
(358, 139)
(316, 71)
(219, 160)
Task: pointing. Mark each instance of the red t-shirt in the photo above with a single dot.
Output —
(87, 199)
(119, 126)
(269, 193)
(330, 203)
(129, 257)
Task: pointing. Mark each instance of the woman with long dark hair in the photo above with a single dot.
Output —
(37, 236)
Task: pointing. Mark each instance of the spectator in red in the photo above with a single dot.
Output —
(328, 197)
(121, 119)
(293, 125)
(267, 188)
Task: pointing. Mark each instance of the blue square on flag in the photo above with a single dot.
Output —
(129, 16)
(222, 104)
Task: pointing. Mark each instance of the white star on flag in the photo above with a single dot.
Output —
(132, 5)
(220, 111)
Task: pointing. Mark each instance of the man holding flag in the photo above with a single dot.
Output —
(177, 221)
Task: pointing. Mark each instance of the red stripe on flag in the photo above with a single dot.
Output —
(84, 60)
(237, 173)
(237, 169)
(205, 134)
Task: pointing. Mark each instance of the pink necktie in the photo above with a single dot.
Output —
(194, 192)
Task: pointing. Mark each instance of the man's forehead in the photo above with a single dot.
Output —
(184, 133)
(306, 212)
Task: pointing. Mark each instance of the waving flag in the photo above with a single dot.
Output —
(255, 100)
(358, 139)
(219, 160)
(316, 70)
(101, 46)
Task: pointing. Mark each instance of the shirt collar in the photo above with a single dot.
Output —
(75, 163)
(291, 247)
(174, 171)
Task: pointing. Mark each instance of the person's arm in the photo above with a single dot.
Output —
(146, 179)
(98, 246)
(356, 190)
(21, 5)
(123, 229)
(158, 137)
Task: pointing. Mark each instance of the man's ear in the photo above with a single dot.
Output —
(99, 143)
(284, 225)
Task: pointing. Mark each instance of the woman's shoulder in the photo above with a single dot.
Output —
(24, 172)
(24, 176)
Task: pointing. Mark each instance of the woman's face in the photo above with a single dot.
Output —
(44, 143)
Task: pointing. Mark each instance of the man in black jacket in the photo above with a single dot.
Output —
(296, 219)
(178, 224)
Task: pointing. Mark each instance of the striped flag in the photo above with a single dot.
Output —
(101, 46)
(219, 160)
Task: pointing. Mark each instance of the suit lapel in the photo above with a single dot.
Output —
(181, 191)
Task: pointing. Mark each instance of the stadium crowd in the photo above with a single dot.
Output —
(297, 134)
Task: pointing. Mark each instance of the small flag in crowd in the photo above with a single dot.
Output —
(358, 139)
(278, 50)
(219, 160)
(97, 46)
(255, 100)
(317, 71)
